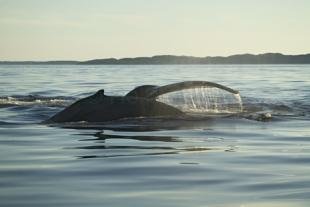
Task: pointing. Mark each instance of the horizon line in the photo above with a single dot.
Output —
(119, 58)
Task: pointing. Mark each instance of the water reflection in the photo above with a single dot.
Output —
(104, 145)
(101, 136)
(125, 155)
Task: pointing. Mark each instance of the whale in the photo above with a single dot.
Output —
(139, 102)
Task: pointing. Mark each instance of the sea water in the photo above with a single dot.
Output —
(219, 161)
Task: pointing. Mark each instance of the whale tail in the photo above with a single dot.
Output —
(193, 96)
(142, 91)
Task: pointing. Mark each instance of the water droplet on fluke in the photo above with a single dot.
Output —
(203, 100)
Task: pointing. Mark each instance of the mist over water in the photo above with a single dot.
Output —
(233, 160)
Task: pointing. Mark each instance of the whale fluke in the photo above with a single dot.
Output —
(187, 85)
(142, 91)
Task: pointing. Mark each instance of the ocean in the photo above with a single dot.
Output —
(233, 160)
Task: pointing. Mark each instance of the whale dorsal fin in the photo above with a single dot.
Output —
(99, 93)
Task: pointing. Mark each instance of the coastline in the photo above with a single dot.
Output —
(243, 59)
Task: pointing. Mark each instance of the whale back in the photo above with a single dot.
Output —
(101, 108)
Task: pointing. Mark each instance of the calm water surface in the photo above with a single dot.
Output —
(221, 161)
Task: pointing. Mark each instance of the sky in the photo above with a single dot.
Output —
(90, 29)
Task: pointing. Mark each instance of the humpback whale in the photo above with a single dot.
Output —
(140, 102)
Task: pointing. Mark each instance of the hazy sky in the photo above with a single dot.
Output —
(87, 29)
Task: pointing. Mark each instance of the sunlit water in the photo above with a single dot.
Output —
(230, 160)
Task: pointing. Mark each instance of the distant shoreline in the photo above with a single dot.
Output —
(266, 58)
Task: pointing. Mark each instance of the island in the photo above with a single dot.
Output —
(266, 58)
